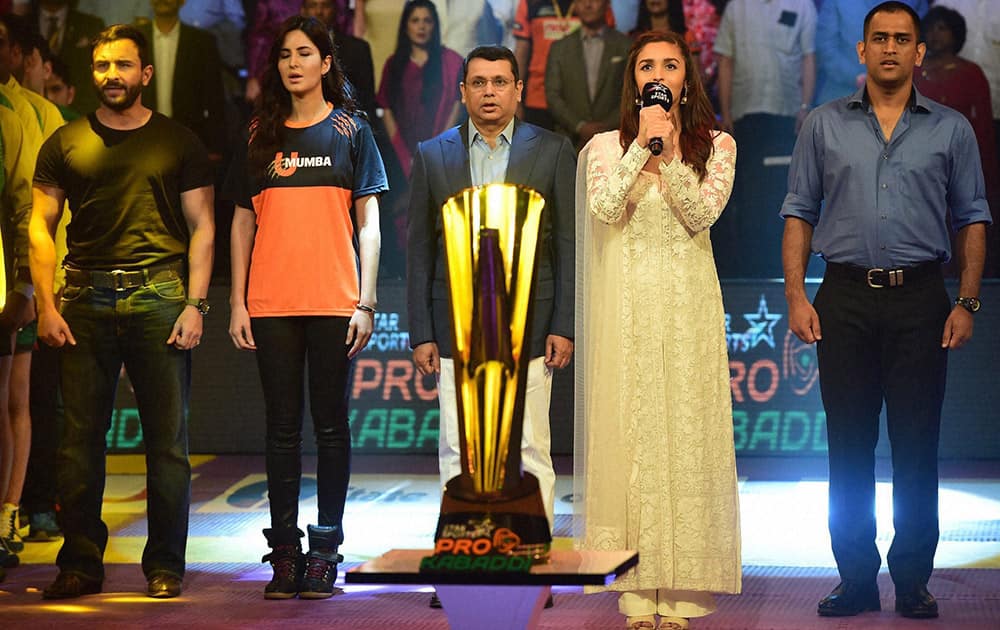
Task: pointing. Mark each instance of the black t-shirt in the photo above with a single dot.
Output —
(124, 189)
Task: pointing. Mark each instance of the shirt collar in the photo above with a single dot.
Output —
(507, 133)
(917, 102)
(598, 35)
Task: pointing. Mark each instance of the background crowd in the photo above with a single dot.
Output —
(765, 66)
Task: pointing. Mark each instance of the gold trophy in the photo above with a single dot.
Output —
(492, 515)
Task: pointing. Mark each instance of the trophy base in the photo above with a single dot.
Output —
(514, 526)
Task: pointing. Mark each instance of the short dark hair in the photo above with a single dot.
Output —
(893, 6)
(117, 32)
(951, 19)
(18, 31)
(491, 53)
(61, 71)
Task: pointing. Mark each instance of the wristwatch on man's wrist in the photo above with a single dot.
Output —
(971, 304)
(201, 304)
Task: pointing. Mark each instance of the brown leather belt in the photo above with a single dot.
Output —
(123, 279)
(878, 278)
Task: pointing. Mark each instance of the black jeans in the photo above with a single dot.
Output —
(111, 328)
(284, 346)
(883, 345)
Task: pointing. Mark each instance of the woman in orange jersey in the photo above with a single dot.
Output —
(305, 249)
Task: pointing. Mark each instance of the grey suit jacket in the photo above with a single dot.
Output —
(566, 82)
(539, 159)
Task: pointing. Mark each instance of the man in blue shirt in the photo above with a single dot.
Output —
(890, 165)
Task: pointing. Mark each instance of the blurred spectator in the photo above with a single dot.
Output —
(353, 53)
(381, 23)
(838, 30)
(419, 98)
(20, 59)
(267, 17)
(696, 20)
(503, 13)
(584, 108)
(117, 11)
(226, 20)
(982, 46)
(31, 70)
(702, 22)
(626, 13)
(419, 88)
(60, 89)
(767, 74)
(15, 200)
(69, 33)
(187, 83)
(537, 25)
(459, 22)
(961, 85)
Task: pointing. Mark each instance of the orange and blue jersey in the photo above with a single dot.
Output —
(305, 253)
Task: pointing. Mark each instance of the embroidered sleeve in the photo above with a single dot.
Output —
(700, 203)
(610, 177)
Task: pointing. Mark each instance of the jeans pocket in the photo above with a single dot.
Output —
(170, 290)
(72, 293)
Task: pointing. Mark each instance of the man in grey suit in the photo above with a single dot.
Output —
(493, 147)
(584, 108)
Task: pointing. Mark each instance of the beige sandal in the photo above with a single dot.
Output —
(673, 623)
(644, 622)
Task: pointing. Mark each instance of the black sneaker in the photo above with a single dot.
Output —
(321, 562)
(8, 559)
(287, 563)
(42, 527)
(320, 574)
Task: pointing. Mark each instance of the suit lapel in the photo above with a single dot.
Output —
(522, 154)
(181, 62)
(455, 147)
(606, 67)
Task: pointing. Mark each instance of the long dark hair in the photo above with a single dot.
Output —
(274, 105)
(430, 92)
(696, 116)
(675, 15)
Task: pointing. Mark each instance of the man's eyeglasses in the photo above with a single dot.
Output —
(499, 83)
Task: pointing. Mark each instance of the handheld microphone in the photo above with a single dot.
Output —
(654, 93)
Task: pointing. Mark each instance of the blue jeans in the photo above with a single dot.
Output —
(112, 328)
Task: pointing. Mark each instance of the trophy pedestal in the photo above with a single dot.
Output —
(492, 608)
(512, 525)
(495, 600)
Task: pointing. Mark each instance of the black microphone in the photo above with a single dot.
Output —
(654, 93)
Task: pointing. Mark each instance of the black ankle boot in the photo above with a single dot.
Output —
(321, 562)
(287, 562)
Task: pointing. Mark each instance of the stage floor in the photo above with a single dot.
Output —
(394, 504)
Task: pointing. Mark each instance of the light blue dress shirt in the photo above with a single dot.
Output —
(489, 166)
(879, 204)
(208, 13)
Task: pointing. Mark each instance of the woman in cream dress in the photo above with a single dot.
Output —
(656, 463)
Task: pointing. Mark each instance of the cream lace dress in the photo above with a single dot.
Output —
(656, 463)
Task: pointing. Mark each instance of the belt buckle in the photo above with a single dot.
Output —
(118, 279)
(871, 283)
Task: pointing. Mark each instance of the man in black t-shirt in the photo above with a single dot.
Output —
(140, 190)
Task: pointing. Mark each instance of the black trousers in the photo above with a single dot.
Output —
(284, 346)
(883, 345)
